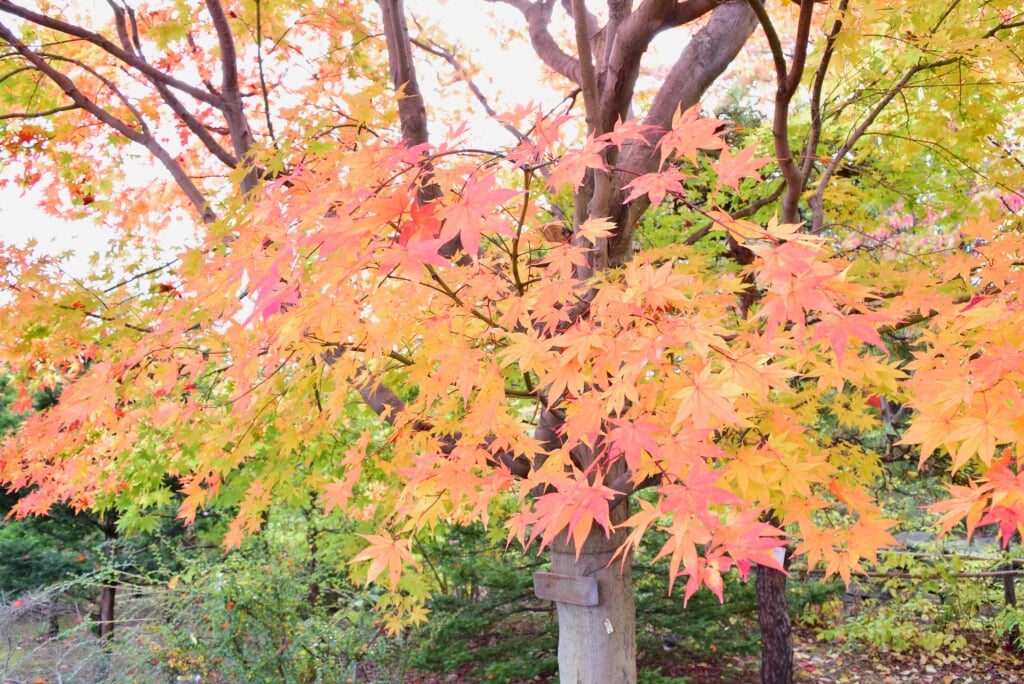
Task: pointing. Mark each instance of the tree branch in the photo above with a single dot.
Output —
(538, 20)
(787, 82)
(686, 11)
(811, 145)
(40, 114)
(774, 44)
(588, 79)
(112, 49)
(447, 55)
(817, 200)
(412, 111)
(703, 60)
(259, 65)
(231, 96)
(626, 47)
(193, 193)
(191, 122)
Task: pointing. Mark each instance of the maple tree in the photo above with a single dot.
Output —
(524, 360)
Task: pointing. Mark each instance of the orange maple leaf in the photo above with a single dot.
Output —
(574, 507)
(385, 553)
(966, 503)
(706, 402)
(474, 213)
(689, 134)
(574, 164)
(23, 404)
(627, 131)
(633, 439)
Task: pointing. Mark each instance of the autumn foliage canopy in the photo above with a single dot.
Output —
(413, 335)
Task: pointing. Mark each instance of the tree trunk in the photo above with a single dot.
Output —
(597, 645)
(776, 631)
(1012, 637)
(1013, 640)
(108, 525)
(107, 596)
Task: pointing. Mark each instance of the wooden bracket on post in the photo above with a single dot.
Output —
(578, 591)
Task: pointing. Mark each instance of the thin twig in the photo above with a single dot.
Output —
(259, 66)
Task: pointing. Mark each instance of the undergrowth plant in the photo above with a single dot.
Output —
(927, 601)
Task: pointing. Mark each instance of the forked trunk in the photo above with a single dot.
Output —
(597, 645)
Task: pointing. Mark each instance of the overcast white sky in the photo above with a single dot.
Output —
(21, 220)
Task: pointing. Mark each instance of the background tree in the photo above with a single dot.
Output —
(487, 306)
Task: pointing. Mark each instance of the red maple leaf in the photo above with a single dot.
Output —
(657, 185)
(731, 168)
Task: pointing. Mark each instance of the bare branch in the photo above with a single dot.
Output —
(588, 79)
(818, 84)
(40, 114)
(686, 11)
(944, 16)
(122, 15)
(140, 275)
(259, 66)
(588, 17)
(788, 81)
(774, 44)
(618, 10)
(110, 85)
(122, 26)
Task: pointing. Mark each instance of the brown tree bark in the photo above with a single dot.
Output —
(776, 631)
(107, 602)
(108, 593)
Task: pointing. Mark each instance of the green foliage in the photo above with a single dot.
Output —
(1009, 624)
(652, 676)
(40, 551)
(8, 420)
(265, 614)
(896, 626)
(700, 630)
(926, 602)
(485, 621)
(486, 624)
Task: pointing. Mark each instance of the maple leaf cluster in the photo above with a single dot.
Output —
(416, 362)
